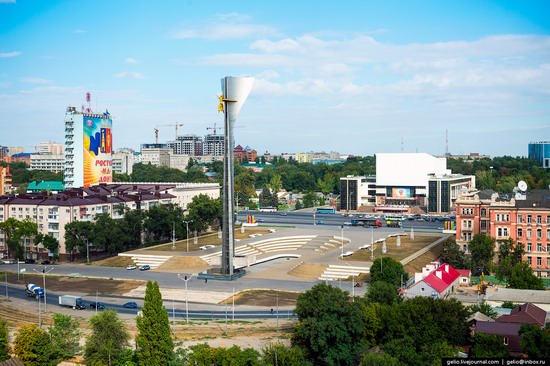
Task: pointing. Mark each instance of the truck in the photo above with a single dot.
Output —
(393, 222)
(71, 301)
(366, 222)
(34, 291)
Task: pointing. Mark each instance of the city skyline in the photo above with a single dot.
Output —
(356, 77)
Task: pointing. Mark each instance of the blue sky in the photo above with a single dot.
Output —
(350, 76)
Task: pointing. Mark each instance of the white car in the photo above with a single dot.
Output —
(347, 223)
(131, 266)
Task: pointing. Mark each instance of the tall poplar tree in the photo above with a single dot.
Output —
(154, 342)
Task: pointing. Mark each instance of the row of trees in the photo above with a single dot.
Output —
(509, 268)
(156, 225)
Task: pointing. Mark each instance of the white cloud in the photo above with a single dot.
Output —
(9, 54)
(131, 61)
(36, 80)
(233, 17)
(5, 84)
(229, 31)
(130, 75)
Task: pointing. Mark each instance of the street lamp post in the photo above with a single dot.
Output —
(174, 235)
(44, 272)
(87, 251)
(187, 231)
(185, 279)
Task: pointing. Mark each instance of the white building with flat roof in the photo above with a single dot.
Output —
(49, 162)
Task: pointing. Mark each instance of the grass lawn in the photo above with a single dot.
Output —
(406, 248)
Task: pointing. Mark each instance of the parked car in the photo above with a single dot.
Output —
(145, 267)
(45, 262)
(130, 305)
(347, 223)
(30, 261)
(130, 267)
(320, 222)
(100, 306)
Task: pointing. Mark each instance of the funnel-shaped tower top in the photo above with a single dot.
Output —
(235, 90)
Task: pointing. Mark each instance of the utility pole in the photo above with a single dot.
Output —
(44, 272)
(187, 231)
(185, 279)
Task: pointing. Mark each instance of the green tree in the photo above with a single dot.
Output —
(203, 354)
(453, 255)
(50, 243)
(509, 305)
(277, 354)
(482, 248)
(483, 308)
(108, 340)
(488, 346)
(274, 183)
(161, 221)
(205, 212)
(155, 345)
(65, 335)
(382, 292)
(78, 234)
(523, 277)
(535, 342)
(32, 347)
(326, 185)
(330, 327)
(4, 340)
(265, 197)
(108, 234)
(9, 228)
(379, 359)
(388, 270)
(509, 255)
(309, 199)
(25, 229)
(373, 323)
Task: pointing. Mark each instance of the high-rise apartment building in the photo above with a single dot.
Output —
(49, 147)
(50, 162)
(213, 144)
(88, 148)
(5, 181)
(187, 145)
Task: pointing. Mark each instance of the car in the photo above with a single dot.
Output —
(283, 214)
(45, 262)
(99, 305)
(319, 222)
(130, 305)
(29, 261)
(145, 267)
(130, 267)
(347, 223)
(260, 220)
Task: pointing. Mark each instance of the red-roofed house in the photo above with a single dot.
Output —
(465, 275)
(440, 283)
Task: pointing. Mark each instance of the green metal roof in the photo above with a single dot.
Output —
(48, 185)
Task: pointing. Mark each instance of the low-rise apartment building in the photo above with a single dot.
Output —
(51, 212)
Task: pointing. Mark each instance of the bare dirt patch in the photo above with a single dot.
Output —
(76, 284)
(308, 271)
(117, 261)
(406, 248)
(183, 263)
(209, 239)
(264, 298)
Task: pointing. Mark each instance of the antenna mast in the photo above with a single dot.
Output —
(88, 102)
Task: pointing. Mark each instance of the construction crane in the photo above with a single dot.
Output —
(214, 128)
(176, 125)
(156, 135)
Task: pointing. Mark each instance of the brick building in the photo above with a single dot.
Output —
(524, 219)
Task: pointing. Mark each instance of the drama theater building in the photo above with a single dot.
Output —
(525, 220)
(51, 212)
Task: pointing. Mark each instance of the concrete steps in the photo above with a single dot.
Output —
(334, 272)
(153, 261)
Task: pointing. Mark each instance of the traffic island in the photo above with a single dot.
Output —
(217, 275)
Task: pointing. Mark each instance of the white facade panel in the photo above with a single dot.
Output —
(407, 169)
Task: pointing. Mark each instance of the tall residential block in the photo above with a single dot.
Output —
(540, 152)
(88, 148)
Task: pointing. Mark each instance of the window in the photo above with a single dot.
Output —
(505, 231)
(529, 247)
(529, 219)
(520, 218)
(539, 247)
(547, 234)
(548, 219)
(483, 212)
(520, 232)
(483, 225)
(499, 231)
(539, 234)
(529, 233)
(539, 219)
(497, 217)
(529, 260)
(539, 261)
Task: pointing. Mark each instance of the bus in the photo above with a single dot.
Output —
(268, 209)
(325, 210)
(366, 222)
(393, 222)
